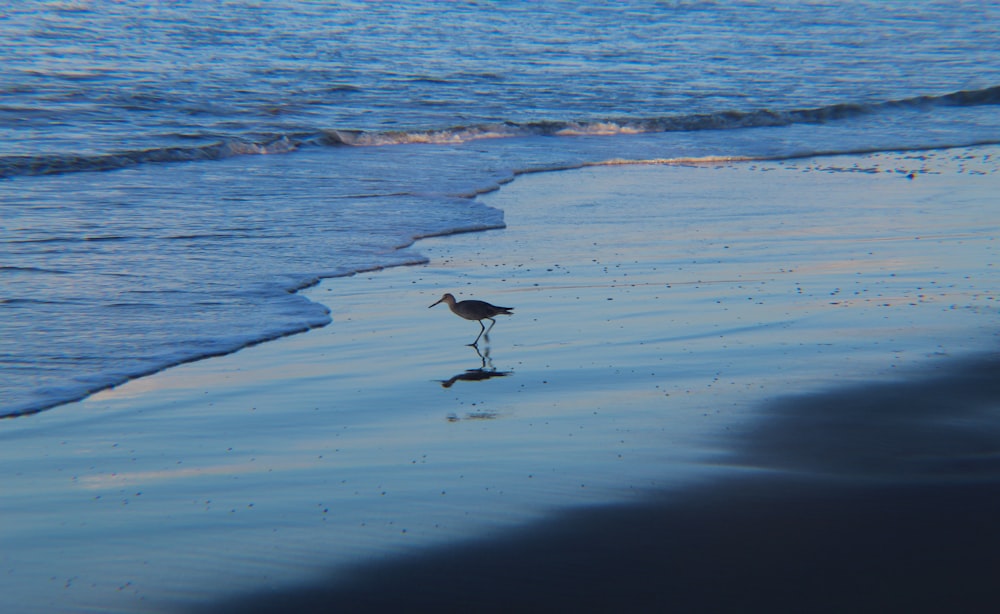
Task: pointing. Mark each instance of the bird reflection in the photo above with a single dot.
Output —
(485, 371)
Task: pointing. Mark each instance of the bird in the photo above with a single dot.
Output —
(475, 310)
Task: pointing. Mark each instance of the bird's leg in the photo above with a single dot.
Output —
(482, 328)
(486, 334)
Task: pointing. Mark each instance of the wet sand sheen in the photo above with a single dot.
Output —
(663, 313)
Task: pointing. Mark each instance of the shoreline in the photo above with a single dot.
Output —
(662, 314)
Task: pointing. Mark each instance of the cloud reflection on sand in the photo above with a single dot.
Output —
(101, 481)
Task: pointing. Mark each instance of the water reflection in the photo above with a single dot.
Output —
(485, 371)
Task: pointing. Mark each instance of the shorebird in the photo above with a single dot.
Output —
(475, 310)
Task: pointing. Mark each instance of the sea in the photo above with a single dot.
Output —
(172, 173)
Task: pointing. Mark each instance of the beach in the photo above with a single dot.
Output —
(725, 385)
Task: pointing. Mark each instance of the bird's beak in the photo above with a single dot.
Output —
(436, 303)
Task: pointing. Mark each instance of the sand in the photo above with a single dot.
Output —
(754, 384)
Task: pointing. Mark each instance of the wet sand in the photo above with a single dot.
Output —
(725, 385)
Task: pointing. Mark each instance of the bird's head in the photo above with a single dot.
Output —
(447, 298)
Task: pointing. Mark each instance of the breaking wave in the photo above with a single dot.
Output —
(13, 166)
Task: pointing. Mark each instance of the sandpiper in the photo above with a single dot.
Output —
(475, 310)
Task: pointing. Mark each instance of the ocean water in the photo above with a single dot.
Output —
(171, 174)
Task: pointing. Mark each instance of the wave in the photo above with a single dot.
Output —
(31, 269)
(725, 120)
(13, 166)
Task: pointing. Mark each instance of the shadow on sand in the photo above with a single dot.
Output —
(876, 498)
